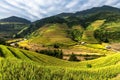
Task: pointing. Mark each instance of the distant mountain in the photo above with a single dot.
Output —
(12, 25)
(85, 17)
(64, 15)
(104, 8)
(103, 21)
(15, 19)
(93, 10)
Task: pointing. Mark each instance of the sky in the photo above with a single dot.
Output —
(37, 9)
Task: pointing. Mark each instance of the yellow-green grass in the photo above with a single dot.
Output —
(50, 34)
(43, 67)
(88, 35)
(96, 46)
(48, 60)
(93, 48)
(24, 44)
(22, 70)
(79, 27)
(13, 40)
(95, 25)
(113, 26)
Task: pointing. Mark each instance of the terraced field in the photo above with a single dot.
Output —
(88, 34)
(33, 66)
(50, 34)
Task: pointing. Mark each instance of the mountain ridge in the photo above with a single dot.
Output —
(15, 19)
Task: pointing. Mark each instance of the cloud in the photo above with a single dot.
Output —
(37, 9)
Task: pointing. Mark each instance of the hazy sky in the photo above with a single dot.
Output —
(37, 9)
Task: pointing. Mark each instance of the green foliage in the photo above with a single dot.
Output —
(8, 30)
(55, 53)
(14, 19)
(22, 32)
(56, 45)
(89, 66)
(73, 57)
(76, 34)
(2, 41)
(101, 35)
(22, 70)
(42, 67)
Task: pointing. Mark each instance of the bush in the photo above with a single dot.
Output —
(56, 45)
(2, 41)
(55, 53)
(76, 35)
(89, 65)
(73, 57)
(102, 35)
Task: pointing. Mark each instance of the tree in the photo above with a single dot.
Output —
(89, 65)
(73, 57)
(76, 35)
(102, 35)
(2, 41)
(56, 45)
(55, 53)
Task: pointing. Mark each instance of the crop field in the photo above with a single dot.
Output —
(29, 65)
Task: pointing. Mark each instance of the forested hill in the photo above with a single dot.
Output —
(10, 26)
(88, 23)
(15, 19)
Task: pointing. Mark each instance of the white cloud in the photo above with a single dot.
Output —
(72, 4)
(37, 9)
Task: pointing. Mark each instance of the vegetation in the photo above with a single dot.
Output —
(14, 19)
(96, 25)
(101, 36)
(109, 32)
(2, 41)
(55, 53)
(76, 35)
(73, 57)
(92, 22)
(51, 34)
(30, 65)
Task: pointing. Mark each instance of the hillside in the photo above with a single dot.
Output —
(88, 35)
(51, 34)
(24, 63)
(10, 26)
(14, 19)
(95, 10)
(99, 17)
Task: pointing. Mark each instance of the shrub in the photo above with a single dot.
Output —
(2, 41)
(73, 57)
(55, 53)
(76, 35)
(89, 65)
(56, 45)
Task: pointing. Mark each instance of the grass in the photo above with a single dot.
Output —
(112, 26)
(50, 34)
(89, 48)
(9, 29)
(88, 35)
(27, 65)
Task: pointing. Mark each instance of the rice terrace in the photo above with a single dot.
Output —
(59, 40)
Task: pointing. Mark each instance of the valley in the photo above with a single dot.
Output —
(83, 45)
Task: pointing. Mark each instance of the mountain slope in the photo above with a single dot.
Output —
(88, 35)
(83, 19)
(104, 8)
(30, 65)
(51, 34)
(10, 26)
(15, 19)
(15, 53)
